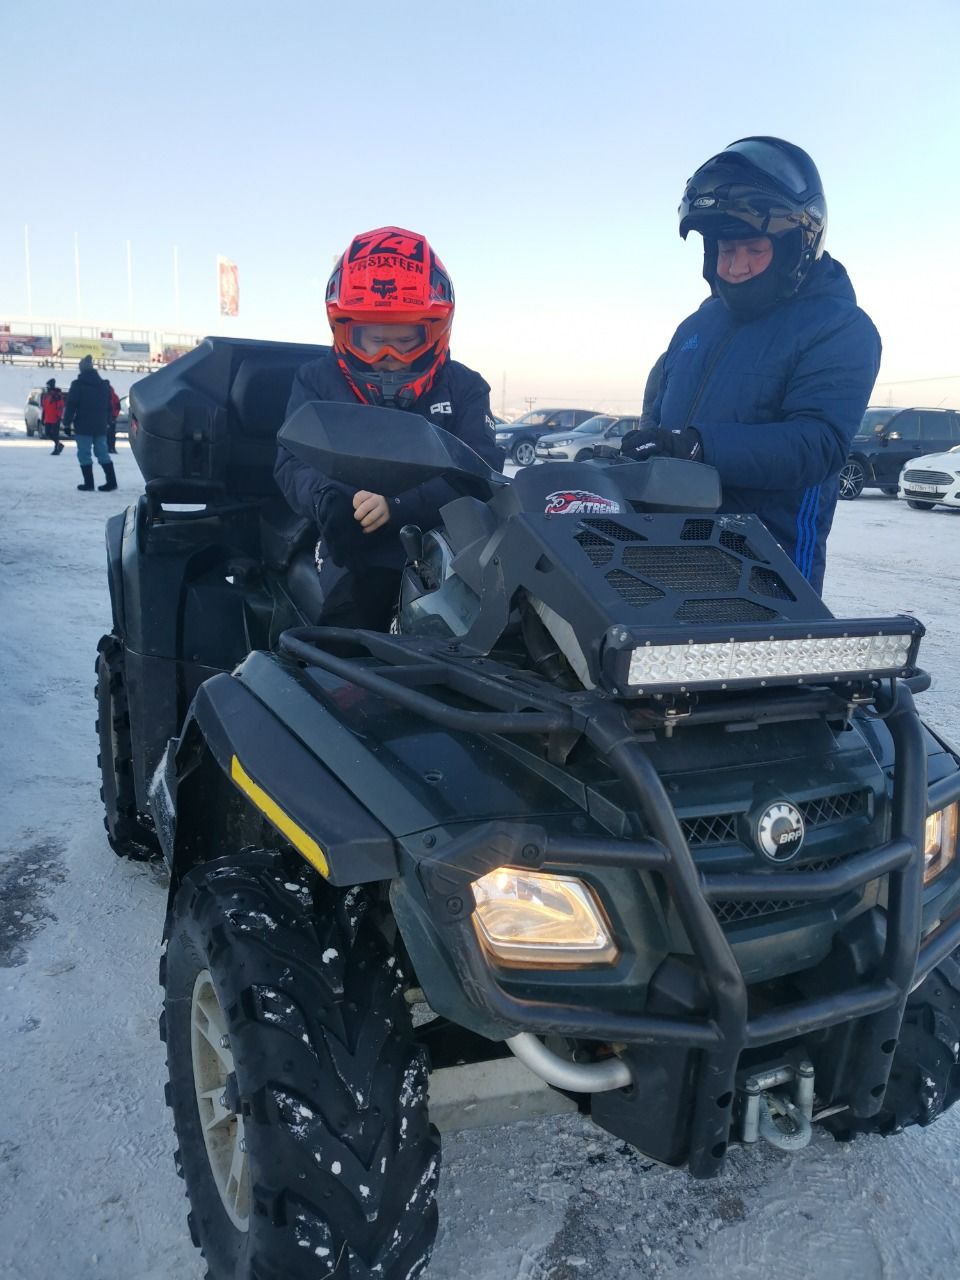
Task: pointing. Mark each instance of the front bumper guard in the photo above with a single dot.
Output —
(728, 1029)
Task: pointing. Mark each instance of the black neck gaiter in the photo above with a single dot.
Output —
(752, 298)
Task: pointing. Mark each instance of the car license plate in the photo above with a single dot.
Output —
(921, 488)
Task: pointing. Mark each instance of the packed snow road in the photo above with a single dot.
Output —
(87, 1184)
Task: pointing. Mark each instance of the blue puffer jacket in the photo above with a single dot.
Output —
(777, 401)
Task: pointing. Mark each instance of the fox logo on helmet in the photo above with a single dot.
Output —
(383, 288)
(569, 502)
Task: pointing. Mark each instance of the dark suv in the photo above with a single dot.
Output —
(889, 438)
(519, 439)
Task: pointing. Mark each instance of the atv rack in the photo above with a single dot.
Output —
(727, 1028)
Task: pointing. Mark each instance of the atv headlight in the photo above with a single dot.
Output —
(772, 659)
(535, 919)
(939, 842)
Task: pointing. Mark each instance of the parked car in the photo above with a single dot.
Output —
(31, 414)
(931, 480)
(889, 439)
(600, 434)
(123, 418)
(519, 438)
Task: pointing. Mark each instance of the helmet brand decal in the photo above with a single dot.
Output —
(383, 288)
(569, 502)
(386, 241)
(780, 831)
(704, 202)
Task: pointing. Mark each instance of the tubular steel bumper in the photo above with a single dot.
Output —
(729, 1028)
(722, 1034)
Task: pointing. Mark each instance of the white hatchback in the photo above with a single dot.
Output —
(931, 480)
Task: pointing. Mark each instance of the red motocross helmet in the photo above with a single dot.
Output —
(390, 277)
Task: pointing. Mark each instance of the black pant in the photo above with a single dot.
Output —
(112, 437)
(362, 597)
(52, 431)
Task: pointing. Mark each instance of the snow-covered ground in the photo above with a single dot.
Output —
(87, 1185)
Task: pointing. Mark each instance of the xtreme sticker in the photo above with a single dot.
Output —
(579, 502)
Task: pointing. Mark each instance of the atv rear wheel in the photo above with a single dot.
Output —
(298, 1092)
(925, 1076)
(128, 834)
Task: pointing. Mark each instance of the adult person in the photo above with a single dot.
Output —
(86, 412)
(51, 415)
(768, 380)
(390, 307)
(113, 413)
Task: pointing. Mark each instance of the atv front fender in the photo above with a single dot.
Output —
(229, 736)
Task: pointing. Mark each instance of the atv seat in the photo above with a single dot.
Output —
(303, 583)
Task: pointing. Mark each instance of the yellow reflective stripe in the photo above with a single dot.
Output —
(296, 835)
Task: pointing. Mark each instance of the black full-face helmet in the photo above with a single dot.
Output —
(759, 187)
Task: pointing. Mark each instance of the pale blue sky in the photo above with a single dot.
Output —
(542, 148)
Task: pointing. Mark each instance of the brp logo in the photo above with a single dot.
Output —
(780, 831)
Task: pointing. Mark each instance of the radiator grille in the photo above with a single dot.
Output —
(941, 478)
(685, 568)
(696, 530)
(705, 611)
(632, 589)
(764, 582)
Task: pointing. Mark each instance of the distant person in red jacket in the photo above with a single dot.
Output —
(113, 412)
(51, 414)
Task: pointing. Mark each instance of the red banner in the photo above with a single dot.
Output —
(25, 344)
(229, 287)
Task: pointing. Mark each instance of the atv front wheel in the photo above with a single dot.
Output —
(925, 1075)
(127, 833)
(298, 1092)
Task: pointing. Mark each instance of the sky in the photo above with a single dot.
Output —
(541, 146)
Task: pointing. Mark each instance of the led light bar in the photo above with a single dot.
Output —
(644, 665)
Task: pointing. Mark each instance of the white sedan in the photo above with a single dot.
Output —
(931, 480)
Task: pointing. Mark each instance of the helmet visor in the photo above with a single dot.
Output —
(772, 161)
(709, 212)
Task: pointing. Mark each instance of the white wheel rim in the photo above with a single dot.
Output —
(222, 1127)
(850, 477)
(525, 453)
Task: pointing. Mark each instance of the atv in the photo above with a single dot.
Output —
(617, 815)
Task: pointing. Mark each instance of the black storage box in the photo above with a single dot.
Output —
(212, 416)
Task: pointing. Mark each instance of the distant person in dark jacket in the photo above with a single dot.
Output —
(390, 347)
(51, 415)
(769, 379)
(113, 413)
(86, 411)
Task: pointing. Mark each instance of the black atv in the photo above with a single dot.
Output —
(616, 797)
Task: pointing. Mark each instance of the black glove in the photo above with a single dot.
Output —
(341, 534)
(654, 442)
